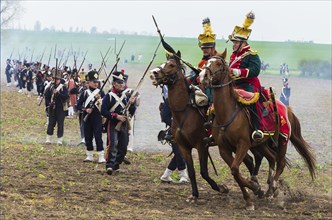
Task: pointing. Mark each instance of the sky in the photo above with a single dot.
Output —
(275, 20)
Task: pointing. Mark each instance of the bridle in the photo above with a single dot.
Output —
(169, 78)
(222, 71)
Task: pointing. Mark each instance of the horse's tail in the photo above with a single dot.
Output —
(301, 146)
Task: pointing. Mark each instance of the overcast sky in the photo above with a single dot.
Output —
(275, 20)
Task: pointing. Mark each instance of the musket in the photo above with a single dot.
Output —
(68, 53)
(103, 59)
(82, 62)
(55, 51)
(104, 62)
(49, 58)
(12, 54)
(63, 53)
(42, 55)
(171, 51)
(134, 93)
(32, 55)
(117, 55)
(92, 104)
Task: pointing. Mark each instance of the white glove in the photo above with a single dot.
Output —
(236, 72)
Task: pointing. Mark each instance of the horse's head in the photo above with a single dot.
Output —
(215, 71)
(167, 73)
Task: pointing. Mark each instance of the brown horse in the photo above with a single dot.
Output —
(187, 125)
(231, 129)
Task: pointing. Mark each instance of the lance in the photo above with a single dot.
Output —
(119, 124)
(92, 104)
(49, 58)
(171, 51)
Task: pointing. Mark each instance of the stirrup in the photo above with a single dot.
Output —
(257, 135)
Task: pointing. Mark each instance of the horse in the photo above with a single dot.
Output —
(231, 129)
(187, 125)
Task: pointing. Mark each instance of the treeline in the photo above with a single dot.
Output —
(318, 68)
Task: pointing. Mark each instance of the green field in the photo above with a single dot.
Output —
(273, 53)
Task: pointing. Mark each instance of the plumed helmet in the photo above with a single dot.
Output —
(243, 33)
(207, 38)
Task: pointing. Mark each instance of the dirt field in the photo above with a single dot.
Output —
(49, 182)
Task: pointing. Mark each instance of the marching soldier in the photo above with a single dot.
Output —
(93, 125)
(46, 85)
(113, 106)
(285, 92)
(245, 67)
(8, 72)
(56, 95)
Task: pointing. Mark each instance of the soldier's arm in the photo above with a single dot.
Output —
(250, 67)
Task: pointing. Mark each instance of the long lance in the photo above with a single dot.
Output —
(92, 104)
(170, 50)
(82, 62)
(32, 55)
(41, 58)
(49, 58)
(119, 124)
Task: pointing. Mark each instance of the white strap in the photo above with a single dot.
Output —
(91, 96)
(118, 99)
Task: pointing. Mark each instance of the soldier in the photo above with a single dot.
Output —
(285, 92)
(177, 162)
(39, 83)
(46, 85)
(24, 78)
(112, 108)
(245, 67)
(56, 95)
(8, 72)
(93, 125)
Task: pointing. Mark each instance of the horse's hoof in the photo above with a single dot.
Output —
(250, 207)
(192, 199)
(223, 189)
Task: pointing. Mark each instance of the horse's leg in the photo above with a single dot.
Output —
(241, 152)
(281, 163)
(187, 156)
(203, 160)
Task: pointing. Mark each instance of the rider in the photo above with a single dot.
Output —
(245, 67)
(207, 43)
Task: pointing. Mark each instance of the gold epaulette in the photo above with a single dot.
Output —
(253, 52)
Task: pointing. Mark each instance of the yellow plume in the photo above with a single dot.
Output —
(248, 20)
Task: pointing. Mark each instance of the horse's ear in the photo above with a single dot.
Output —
(179, 54)
(224, 54)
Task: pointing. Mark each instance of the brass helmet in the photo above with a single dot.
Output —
(207, 38)
(243, 33)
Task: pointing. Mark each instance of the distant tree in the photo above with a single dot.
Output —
(9, 11)
(71, 29)
(37, 26)
(93, 30)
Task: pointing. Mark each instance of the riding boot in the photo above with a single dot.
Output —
(257, 134)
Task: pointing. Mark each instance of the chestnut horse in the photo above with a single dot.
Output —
(187, 125)
(231, 129)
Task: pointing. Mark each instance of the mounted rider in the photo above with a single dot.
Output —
(245, 67)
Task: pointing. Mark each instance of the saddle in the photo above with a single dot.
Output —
(266, 111)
